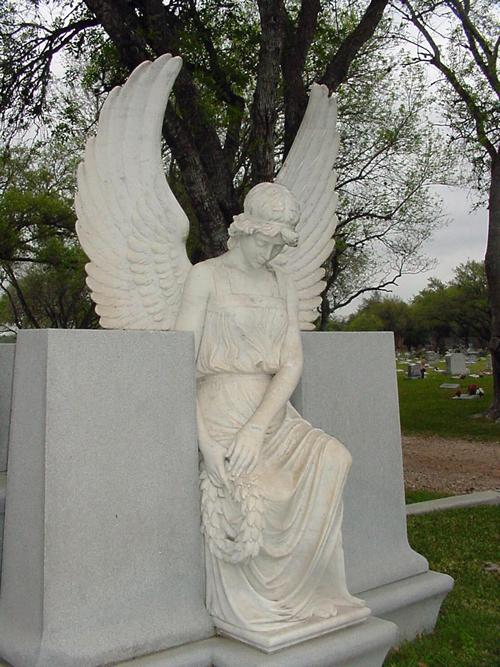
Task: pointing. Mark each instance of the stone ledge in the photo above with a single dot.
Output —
(364, 645)
(412, 603)
(3, 489)
(454, 502)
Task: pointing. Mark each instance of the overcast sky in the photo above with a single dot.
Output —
(463, 238)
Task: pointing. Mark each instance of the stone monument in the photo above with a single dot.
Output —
(455, 363)
(102, 558)
(414, 371)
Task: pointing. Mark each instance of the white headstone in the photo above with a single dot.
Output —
(455, 363)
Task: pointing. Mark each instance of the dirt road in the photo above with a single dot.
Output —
(457, 466)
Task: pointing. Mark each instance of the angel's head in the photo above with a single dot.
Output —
(270, 215)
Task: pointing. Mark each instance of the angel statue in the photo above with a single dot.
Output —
(271, 484)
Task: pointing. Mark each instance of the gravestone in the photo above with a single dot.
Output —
(102, 548)
(414, 371)
(455, 363)
(7, 351)
(431, 356)
(103, 557)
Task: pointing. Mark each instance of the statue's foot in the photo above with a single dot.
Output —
(354, 602)
(319, 608)
(324, 609)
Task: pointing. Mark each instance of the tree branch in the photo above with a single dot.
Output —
(338, 67)
(467, 97)
(474, 37)
(17, 288)
(15, 315)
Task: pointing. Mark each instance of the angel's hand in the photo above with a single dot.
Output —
(244, 452)
(214, 460)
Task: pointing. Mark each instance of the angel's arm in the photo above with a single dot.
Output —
(245, 449)
(286, 379)
(191, 317)
(193, 308)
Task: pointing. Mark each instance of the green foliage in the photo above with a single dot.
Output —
(335, 324)
(460, 39)
(388, 313)
(366, 320)
(426, 409)
(464, 544)
(381, 314)
(41, 265)
(459, 308)
(389, 154)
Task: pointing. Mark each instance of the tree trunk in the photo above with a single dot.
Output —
(194, 143)
(265, 101)
(296, 48)
(338, 67)
(492, 265)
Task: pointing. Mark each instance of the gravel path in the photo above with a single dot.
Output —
(456, 466)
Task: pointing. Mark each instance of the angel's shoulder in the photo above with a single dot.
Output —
(199, 280)
(202, 270)
(286, 279)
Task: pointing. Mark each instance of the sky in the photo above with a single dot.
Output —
(463, 238)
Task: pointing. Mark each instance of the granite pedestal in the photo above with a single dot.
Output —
(361, 410)
(102, 556)
(102, 550)
(7, 352)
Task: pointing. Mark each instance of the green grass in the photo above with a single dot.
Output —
(426, 409)
(461, 543)
(420, 495)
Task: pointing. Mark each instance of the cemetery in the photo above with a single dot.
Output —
(204, 461)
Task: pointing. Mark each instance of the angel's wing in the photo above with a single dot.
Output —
(308, 174)
(129, 222)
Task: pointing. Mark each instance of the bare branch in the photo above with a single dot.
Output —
(474, 37)
(20, 295)
(464, 94)
(338, 67)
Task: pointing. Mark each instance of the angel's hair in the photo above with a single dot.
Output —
(269, 209)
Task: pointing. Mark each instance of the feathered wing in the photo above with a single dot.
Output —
(308, 173)
(129, 222)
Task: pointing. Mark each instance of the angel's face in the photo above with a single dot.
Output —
(259, 249)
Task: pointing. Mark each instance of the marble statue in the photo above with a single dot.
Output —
(271, 484)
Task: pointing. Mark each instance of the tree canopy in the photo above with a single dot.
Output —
(238, 103)
(41, 264)
(456, 312)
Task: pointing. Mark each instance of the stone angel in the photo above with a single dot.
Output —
(271, 484)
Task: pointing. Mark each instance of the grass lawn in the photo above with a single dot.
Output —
(421, 495)
(464, 544)
(426, 409)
